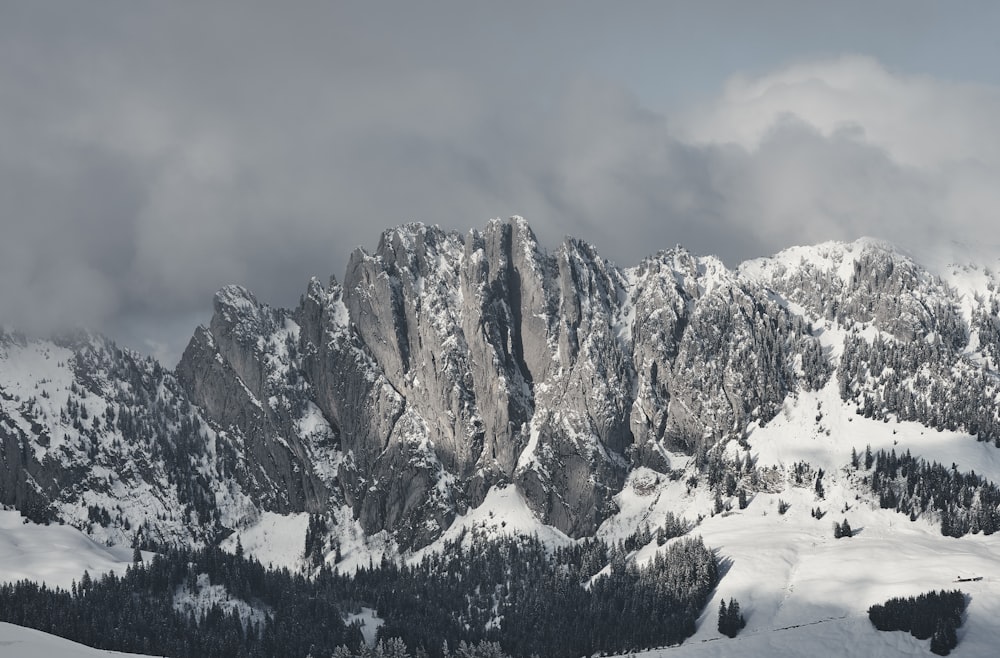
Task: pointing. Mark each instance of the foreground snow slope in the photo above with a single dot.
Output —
(20, 642)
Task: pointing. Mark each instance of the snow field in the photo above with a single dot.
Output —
(803, 592)
(56, 555)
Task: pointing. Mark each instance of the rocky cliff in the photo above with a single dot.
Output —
(448, 363)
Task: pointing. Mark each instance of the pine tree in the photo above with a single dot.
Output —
(736, 620)
(944, 639)
(730, 618)
(723, 617)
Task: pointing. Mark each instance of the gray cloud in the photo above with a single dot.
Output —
(153, 153)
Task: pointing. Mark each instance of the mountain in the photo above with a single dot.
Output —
(455, 382)
(447, 364)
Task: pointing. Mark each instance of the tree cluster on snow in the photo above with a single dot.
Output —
(396, 648)
(841, 530)
(964, 502)
(731, 620)
(934, 615)
(924, 381)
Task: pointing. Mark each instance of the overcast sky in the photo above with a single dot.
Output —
(152, 152)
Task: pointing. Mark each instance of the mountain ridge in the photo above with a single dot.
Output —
(447, 364)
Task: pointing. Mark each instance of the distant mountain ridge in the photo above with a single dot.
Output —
(446, 364)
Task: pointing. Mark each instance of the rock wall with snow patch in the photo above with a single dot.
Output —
(448, 363)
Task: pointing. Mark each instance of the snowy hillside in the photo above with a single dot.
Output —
(55, 555)
(804, 592)
(103, 439)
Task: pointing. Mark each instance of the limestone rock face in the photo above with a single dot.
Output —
(243, 371)
(449, 363)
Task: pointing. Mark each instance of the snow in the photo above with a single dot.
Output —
(803, 592)
(528, 458)
(832, 256)
(712, 274)
(39, 370)
(648, 496)
(205, 596)
(504, 512)
(55, 555)
(20, 642)
(369, 621)
(970, 282)
(341, 317)
(275, 539)
(238, 298)
(357, 549)
(837, 637)
(795, 434)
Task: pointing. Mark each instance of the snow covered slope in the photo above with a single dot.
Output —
(803, 592)
(20, 642)
(105, 440)
(55, 555)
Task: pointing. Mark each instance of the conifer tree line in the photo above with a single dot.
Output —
(920, 381)
(511, 596)
(396, 648)
(934, 615)
(965, 502)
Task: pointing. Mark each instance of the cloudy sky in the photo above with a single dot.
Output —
(151, 152)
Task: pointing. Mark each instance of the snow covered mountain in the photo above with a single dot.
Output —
(457, 381)
(108, 441)
(447, 364)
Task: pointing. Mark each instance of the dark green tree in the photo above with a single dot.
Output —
(944, 639)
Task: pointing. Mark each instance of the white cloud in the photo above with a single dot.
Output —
(844, 147)
(920, 121)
